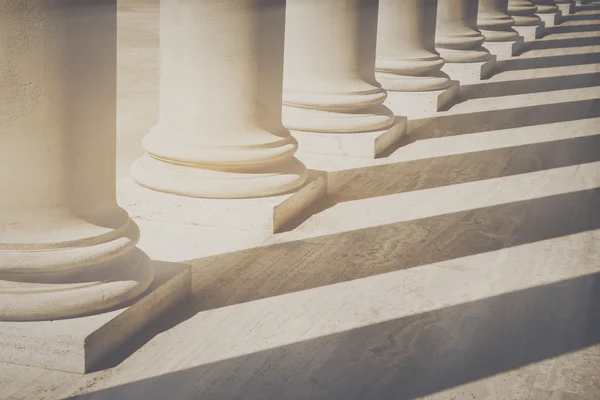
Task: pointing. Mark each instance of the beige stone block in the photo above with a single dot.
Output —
(418, 104)
(265, 214)
(78, 344)
(473, 72)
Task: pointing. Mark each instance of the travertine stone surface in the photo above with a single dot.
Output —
(545, 6)
(219, 133)
(329, 79)
(66, 248)
(457, 38)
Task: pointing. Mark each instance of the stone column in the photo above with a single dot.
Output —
(459, 42)
(408, 66)
(220, 133)
(496, 25)
(332, 102)
(66, 248)
(548, 12)
(527, 23)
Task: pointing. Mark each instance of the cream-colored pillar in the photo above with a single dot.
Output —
(548, 12)
(220, 134)
(66, 248)
(408, 66)
(496, 26)
(332, 103)
(527, 23)
(459, 42)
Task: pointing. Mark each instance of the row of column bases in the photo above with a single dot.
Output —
(234, 108)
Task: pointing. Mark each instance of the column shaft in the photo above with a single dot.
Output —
(220, 133)
(457, 38)
(66, 248)
(494, 22)
(406, 55)
(329, 80)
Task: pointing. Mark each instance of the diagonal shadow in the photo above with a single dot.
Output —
(572, 28)
(400, 359)
(547, 62)
(484, 121)
(536, 85)
(282, 268)
(563, 43)
(580, 17)
(408, 176)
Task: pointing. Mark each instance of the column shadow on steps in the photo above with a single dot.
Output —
(580, 17)
(429, 173)
(536, 85)
(562, 43)
(547, 62)
(404, 358)
(484, 121)
(276, 269)
(572, 28)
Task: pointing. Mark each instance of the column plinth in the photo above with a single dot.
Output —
(331, 101)
(220, 141)
(496, 26)
(407, 65)
(566, 7)
(459, 42)
(67, 250)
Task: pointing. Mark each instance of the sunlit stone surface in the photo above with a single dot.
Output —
(463, 265)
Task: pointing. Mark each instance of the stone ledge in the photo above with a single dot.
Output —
(264, 214)
(505, 50)
(78, 344)
(467, 73)
(530, 33)
(361, 144)
(418, 104)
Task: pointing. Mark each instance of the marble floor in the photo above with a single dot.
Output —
(465, 265)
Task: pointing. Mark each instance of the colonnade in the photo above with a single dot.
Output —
(243, 86)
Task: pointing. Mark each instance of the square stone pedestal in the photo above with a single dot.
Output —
(468, 73)
(416, 104)
(566, 9)
(530, 33)
(360, 144)
(504, 50)
(263, 214)
(550, 19)
(78, 344)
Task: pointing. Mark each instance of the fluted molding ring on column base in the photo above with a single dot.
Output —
(495, 25)
(263, 166)
(412, 74)
(67, 280)
(348, 112)
(462, 49)
(546, 6)
(523, 12)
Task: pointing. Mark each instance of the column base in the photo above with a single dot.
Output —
(550, 19)
(78, 344)
(530, 32)
(359, 144)
(506, 49)
(418, 104)
(265, 214)
(467, 73)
